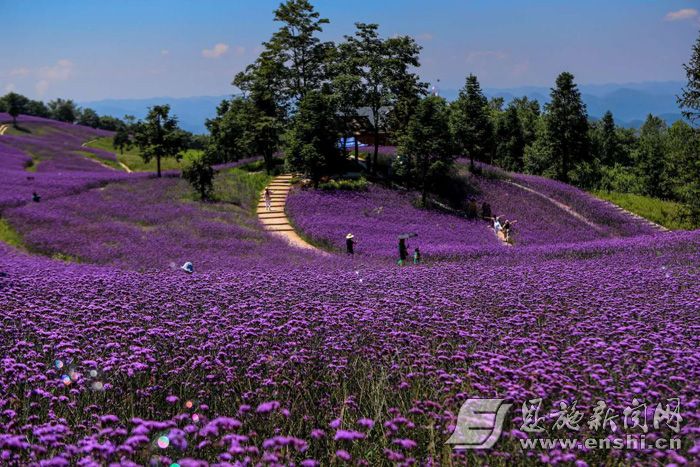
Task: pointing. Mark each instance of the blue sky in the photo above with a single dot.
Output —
(89, 50)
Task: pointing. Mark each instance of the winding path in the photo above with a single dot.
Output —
(3, 129)
(275, 220)
(121, 164)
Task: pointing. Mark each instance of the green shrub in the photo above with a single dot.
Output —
(344, 184)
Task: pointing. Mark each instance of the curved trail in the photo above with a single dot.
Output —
(275, 220)
(121, 164)
(3, 129)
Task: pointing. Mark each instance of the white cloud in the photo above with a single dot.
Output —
(61, 71)
(215, 52)
(21, 71)
(165, 52)
(683, 14)
(481, 55)
(9, 87)
(426, 36)
(41, 87)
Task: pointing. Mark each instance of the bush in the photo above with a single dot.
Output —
(201, 176)
(344, 184)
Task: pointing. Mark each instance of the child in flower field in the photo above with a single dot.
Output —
(497, 225)
(268, 199)
(35, 197)
(416, 256)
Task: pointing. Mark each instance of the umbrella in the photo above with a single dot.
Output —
(406, 236)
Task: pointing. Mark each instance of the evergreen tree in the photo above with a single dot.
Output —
(567, 126)
(529, 115)
(510, 142)
(426, 151)
(609, 150)
(650, 162)
(471, 123)
(689, 100)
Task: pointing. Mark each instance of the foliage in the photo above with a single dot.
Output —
(670, 214)
(63, 110)
(159, 136)
(89, 117)
(9, 235)
(311, 143)
(344, 184)
(510, 141)
(689, 100)
(471, 124)
(566, 126)
(200, 175)
(425, 151)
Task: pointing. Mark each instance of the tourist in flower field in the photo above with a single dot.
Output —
(268, 199)
(507, 228)
(403, 251)
(188, 267)
(497, 227)
(35, 197)
(416, 256)
(350, 243)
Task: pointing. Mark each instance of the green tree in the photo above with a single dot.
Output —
(609, 150)
(37, 109)
(383, 67)
(159, 136)
(109, 123)
(311, 142)
(15, 104)
(63, 110)
(200, 175)
(510, 141)
(649, 159)
(89, 117)
(683, 166)
(567, 126)
(122, 139)
(242, 130)
(471, 122)
(689, 100)
(295, 47)
(529, 115)
(425, 150)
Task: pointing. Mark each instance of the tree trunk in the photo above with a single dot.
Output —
(357, 151)
(158, 164)
(376, 148)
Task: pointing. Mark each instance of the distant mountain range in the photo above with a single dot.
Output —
(630, 103)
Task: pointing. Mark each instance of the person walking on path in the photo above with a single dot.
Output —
(268, 199)
(403, 251)
(350, 244)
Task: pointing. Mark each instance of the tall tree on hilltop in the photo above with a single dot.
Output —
(510, 146)
(471, 122)
(689, 100)
(425, 150)
(15, 104)
(296, 47)
(159, 136)
(383, 68)
(567, 126)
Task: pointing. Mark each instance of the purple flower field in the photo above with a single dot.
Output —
(268, 355)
